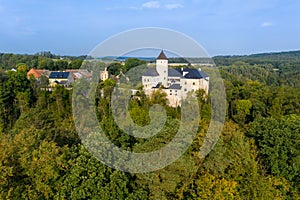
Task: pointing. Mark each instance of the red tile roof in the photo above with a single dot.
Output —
(37, 73)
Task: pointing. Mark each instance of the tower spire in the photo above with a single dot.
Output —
(162, 56)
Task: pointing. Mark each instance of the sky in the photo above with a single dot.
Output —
(222, 27)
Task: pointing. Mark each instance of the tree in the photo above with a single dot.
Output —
(22, 67)
(45, 63)
(231, 171)
(115, 68)
(60, 65)
(243, 108)
(15, 88)
(278, 144)
(131, 63)
(208, 186)
(158, 97)
(88, 178)
(43, 167)
(75, 64)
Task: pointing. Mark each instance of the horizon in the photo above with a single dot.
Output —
(222, 27)
(153, 56)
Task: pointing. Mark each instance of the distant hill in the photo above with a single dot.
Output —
(273, 58)
(9, 60)
(281, 68)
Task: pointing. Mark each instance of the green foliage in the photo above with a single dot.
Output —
(131, 63)
(139, 113)
(31, 166)
(88, 178)
(75, 64)
(115, 68)
(278, 143)
(243, 108)
(232, 172)
(204, 104)
(158, 97)
(257, 156)
(211, 187)
(16, 96)
(22, 67)
(42, 60)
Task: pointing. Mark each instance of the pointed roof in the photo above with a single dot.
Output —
(162, 56)
(37, 73)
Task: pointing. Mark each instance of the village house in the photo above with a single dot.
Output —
(176, 83)
(37, 73)
(60, 78)
(80, 73)
(104, 75)
(65, 78)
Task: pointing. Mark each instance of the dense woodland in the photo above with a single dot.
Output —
(257, 156)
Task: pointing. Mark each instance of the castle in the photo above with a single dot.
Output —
(176, 83)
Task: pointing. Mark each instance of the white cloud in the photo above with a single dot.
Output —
(173, 6)
(151, 4)
(156, 5)
(266, 24)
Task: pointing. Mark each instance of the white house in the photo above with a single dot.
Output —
(104, 74)
(177, 83)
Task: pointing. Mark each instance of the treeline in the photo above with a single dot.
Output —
(278, 69)
(42, 60)
(256, 157)
(275, 59)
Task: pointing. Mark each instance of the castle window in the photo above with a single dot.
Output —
(185, 83)
(185, 90)
(193, 83)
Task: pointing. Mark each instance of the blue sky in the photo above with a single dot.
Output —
(222, 27)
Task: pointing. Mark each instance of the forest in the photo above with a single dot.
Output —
(256, 157)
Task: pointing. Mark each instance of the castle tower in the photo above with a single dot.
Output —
(162, 68)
